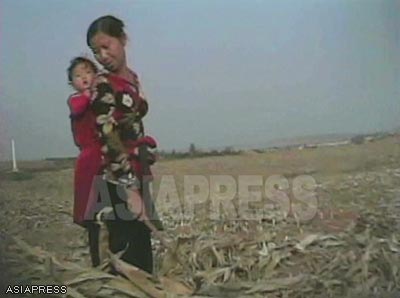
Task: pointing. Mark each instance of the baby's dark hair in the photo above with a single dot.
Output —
(79, 60)
(109, 25)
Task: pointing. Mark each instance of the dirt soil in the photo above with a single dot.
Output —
(36, 205)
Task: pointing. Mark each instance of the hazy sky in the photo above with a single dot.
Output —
(217, 73)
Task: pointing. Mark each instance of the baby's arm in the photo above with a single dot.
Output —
(78, 103)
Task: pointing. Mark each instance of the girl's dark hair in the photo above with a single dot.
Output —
(109, 25)
(75, 62)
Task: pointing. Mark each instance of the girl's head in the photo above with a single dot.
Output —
(107, 39)
(81, 73)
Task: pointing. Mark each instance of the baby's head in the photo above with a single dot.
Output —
(81, 73)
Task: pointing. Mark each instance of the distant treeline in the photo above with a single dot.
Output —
(60, 159)
(362, 138)
(193, 152)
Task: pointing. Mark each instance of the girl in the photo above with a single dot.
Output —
(119, 106)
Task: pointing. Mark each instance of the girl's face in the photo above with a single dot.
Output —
(82, 77)
(109, 51)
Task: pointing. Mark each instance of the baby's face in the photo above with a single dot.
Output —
(82, 77)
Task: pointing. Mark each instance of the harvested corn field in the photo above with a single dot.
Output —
(347, 246)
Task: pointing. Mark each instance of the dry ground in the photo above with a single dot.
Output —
(36, 206)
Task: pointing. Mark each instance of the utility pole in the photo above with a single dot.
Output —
(14, 160)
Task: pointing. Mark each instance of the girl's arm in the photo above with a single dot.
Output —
(144, 105)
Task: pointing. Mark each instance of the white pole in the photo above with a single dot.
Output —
(14, 160)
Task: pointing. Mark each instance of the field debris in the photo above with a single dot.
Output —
(365, 258)
(351, 248)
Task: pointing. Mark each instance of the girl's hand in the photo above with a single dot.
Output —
(136, 204)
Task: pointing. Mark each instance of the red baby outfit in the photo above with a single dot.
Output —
(89, 161)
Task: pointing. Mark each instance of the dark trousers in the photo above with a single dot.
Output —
(124, 234)
(93, 230)
(133, 236)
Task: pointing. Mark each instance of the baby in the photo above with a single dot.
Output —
(81, 75)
